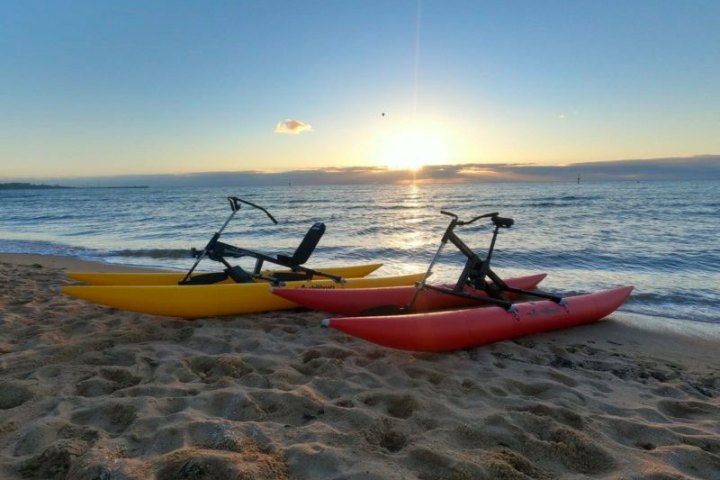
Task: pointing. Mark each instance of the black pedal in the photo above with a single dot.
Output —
(206, 279)
(238, 275)
(290, 276)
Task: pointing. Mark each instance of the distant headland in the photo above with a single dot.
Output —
(29, 186)
(33, 186)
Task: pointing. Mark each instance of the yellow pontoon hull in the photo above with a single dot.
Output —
(196, 301)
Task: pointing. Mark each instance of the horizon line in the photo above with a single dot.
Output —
(706, 166)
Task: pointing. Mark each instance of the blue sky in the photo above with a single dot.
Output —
(93, 88)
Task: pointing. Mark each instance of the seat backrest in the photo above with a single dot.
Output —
(308, 244)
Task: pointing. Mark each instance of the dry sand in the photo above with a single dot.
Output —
(88, 392)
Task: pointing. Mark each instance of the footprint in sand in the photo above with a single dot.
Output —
(689, 409)
(13, 395)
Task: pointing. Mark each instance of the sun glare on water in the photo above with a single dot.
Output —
(413, 149)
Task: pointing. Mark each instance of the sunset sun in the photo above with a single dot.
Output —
(412, 149)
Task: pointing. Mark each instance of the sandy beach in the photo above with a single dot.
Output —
(88, 392)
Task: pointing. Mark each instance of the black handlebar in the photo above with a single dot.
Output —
(235, 206)
(449, 214)
(493, 214)
(461, 223)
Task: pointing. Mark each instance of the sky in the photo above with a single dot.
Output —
(99, 88)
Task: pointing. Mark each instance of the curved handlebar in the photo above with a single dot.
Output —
(235, 205)
(486, 215)
(461, 223)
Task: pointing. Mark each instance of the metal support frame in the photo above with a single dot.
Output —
(217, 251)
(477, 269)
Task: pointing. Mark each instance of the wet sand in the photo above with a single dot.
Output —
(88, 392)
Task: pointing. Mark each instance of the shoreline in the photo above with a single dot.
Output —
(701, 330)
(69, 263)
(87, 391)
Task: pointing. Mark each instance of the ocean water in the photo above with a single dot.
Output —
(661, 237)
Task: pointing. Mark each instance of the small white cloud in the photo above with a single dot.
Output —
(293, 127)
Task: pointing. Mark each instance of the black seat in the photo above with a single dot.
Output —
(306, 247)
(502, 222)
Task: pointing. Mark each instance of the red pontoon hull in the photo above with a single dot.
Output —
(453, 330)
(358, 301)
